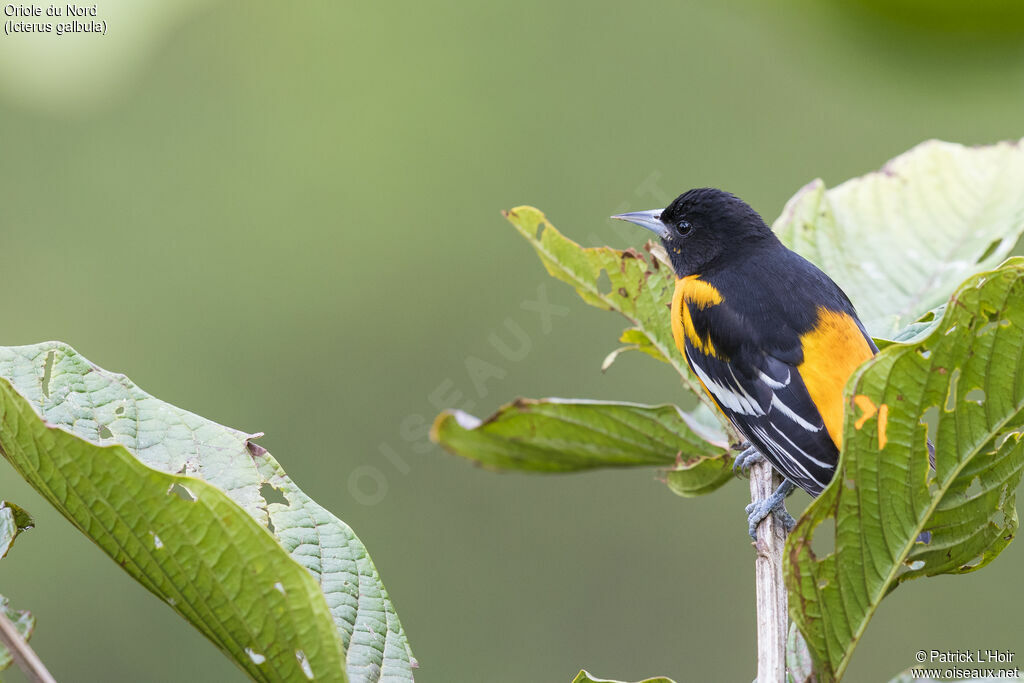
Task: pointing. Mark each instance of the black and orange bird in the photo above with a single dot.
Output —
(770, 336)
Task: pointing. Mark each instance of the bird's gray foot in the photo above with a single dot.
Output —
(747, 459)
(775, 503)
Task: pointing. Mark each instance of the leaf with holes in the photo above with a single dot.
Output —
(13, 521)
(965, 380)
(941, 211)
(585, 677)
(202, 517)
(559, 435)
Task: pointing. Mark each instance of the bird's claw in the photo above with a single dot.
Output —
(773, 504)
(747, 459)
(781, 515)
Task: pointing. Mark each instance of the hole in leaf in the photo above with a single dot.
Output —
(924, 353)
(279, 587)
(951, 391)
(991, 249)
(986, 328)
(822, 584)
(974, 489)
(930, 419)
(823, 540)
(1006, 437)
(915, 565)
(604, 283)
(951, 330)
(272, 495)
(973, 563)
(105, 433)
(157, 543)
(999, 519)
(256, 657)
(307, 670)
(119, 410)
(180, 491)
(48, 372)
(540, 230)
(976, 395)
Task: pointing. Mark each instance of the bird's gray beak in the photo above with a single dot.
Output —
(651, 220)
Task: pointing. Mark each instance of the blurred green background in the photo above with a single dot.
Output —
(285, 217)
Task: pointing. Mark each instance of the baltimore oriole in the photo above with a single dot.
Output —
(770, 336)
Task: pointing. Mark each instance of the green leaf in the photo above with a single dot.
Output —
(639, 287)
(916, 331)
(799, 664)
(559, 435)
(584, 677)
(201, 516)
(24, 624)
(13, 520)
(695, 476)
(898, 241)
(635, 340)
(964, 379)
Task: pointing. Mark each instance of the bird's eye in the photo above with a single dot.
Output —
(684, 227)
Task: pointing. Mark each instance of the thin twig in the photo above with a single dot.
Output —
(772, 604)
(24, 656)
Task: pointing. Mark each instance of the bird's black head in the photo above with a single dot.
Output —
(702, 226)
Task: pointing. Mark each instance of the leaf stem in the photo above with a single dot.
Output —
(772, 602)
(24, 656)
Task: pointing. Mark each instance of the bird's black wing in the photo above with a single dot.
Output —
(762, 393)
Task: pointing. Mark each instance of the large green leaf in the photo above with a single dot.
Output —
(13, 521)
(202, 517)
(558, 435)
(965, 379)
(899, 241)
